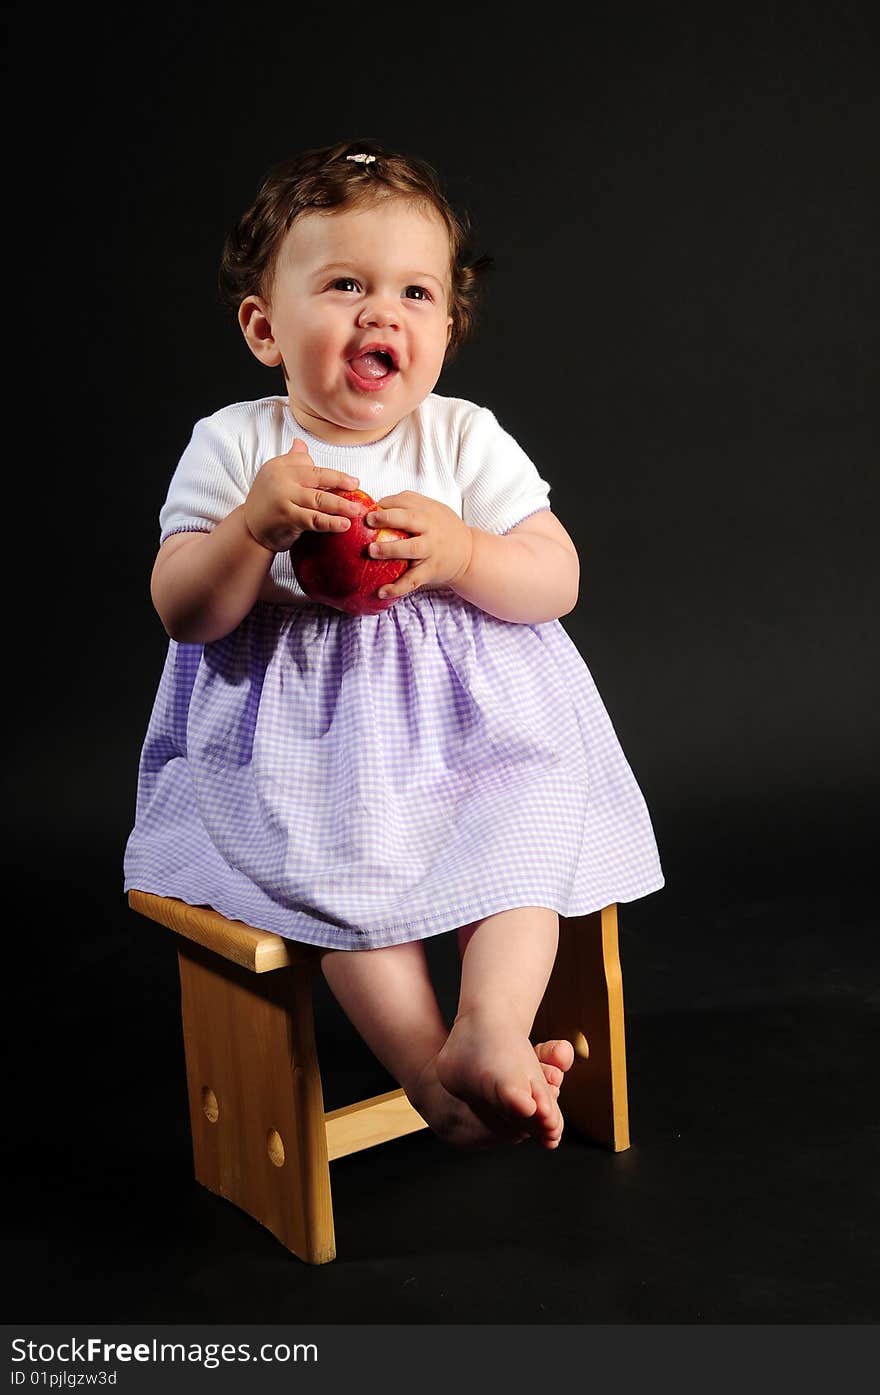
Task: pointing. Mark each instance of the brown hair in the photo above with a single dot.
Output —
(325, 179)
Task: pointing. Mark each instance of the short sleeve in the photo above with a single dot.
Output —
(209, 482)
(500, 486)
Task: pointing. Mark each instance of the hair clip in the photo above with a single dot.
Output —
(362, 159)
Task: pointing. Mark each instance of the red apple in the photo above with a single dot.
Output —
(337, 569)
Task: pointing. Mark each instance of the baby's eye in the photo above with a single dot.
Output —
(423, 294)
(343, 282)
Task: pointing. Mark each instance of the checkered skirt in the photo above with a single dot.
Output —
(356, 781)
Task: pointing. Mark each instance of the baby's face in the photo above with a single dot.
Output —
(345, 281)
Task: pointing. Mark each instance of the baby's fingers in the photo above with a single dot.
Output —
(336, 479)
(416, 574)
(298, 455)
(328, 511)
(330, 514)
(311, 476)
(398, 547)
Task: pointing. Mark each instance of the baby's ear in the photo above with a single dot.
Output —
(253, 318)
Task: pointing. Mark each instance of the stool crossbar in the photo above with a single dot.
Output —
(260, 1135)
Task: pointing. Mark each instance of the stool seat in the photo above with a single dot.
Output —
(257, 950)
(261, 1137)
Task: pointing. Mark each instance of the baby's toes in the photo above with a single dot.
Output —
(553, 1128)
(517, 1100)
(558, 1053)
(554, 1076)
(553, 1140)
(546, 1107)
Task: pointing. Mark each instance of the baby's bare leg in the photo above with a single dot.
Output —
(388, 996)
(488, 1060)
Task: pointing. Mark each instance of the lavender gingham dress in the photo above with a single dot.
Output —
(357, 781)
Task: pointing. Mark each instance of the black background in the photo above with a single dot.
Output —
(681, 330)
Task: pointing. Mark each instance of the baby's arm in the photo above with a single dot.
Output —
(529, 575)
(204, 584)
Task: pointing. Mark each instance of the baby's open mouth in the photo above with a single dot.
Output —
(374, 364)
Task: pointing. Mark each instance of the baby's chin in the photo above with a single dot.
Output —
(341, 426)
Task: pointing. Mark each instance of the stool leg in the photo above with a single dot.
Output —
(255, 1100)
(584, 1003)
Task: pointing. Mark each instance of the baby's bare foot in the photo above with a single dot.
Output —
(556, 1058)
(452, 1119)
(503, 1079)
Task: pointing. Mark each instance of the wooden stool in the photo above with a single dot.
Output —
(260, 1135)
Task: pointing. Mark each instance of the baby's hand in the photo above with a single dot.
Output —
(291, 495)
(442, 542)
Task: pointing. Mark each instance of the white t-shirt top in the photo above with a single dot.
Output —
(448, 449)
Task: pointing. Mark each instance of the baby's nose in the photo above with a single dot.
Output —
(378, 313)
